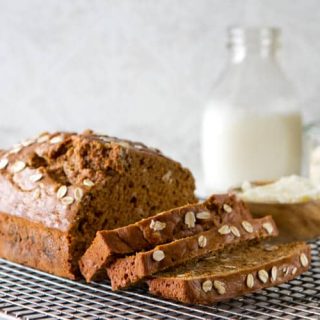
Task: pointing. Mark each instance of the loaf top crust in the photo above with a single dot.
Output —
(48, 178)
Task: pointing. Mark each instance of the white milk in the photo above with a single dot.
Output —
(239, 146)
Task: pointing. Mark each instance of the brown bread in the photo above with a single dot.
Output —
(127, 271)
(164, 227)
(230, 274)
(57, 190)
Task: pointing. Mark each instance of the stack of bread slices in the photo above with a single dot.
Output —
(200, 253)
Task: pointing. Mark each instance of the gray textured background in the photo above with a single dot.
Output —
(140, 69)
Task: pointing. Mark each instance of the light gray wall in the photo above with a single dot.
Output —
(140, 69)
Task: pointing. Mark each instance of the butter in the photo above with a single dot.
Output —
(290, 189)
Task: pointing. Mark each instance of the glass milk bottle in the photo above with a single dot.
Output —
(252, 126)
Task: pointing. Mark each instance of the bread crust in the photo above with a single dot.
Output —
(30, 243)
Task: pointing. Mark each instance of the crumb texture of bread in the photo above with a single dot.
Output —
(164, 227)
(162, 257)
(231, 274)
(66, 186)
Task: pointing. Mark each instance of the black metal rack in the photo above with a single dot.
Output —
(26, 293)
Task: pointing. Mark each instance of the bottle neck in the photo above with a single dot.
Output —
(253, 44)
(246, 54)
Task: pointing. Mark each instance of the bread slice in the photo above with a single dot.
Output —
(164, 227)
(131, 269)
(226, 275)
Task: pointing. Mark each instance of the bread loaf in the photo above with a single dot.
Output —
(58, 189)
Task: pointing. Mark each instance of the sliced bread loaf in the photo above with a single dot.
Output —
(164, 227)
(230, 274)
(131, 269)
(57, 190)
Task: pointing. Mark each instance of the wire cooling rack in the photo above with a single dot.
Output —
(30, 294)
